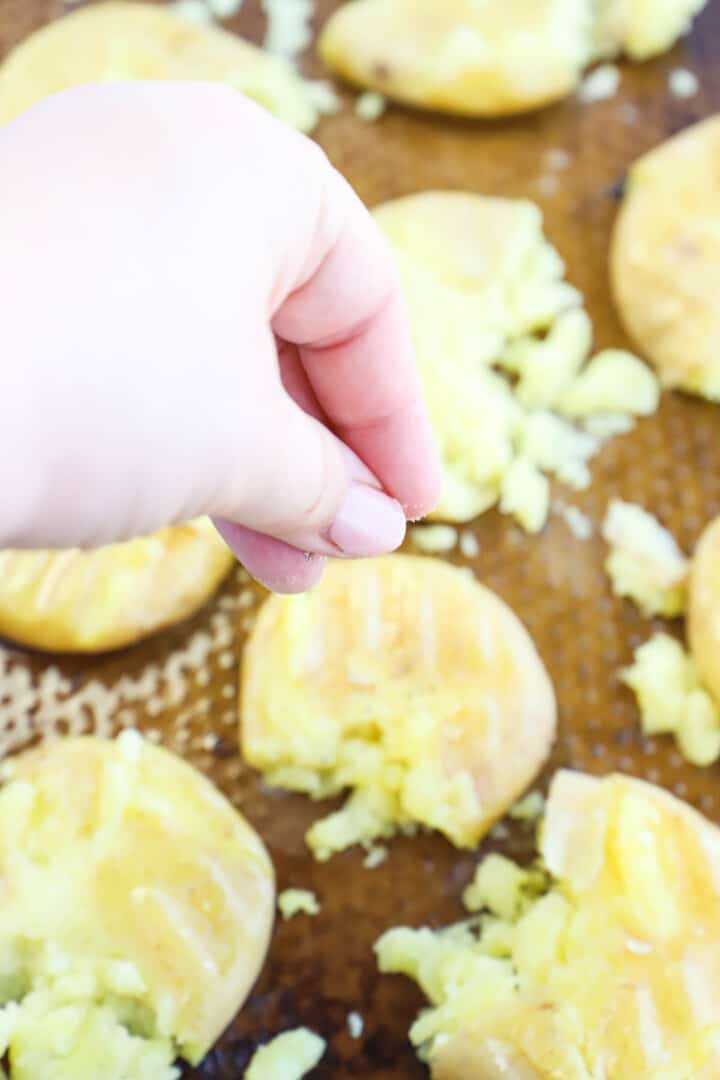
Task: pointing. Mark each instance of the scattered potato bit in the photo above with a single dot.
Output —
(355, 1025)
(405, 682)
(289, 29)
(525, 493)
(683, 83)
(293, 902)
(370, 105)
(605, 963)
(529, 808)
(603, 82)
(629, 26)
(224, 9)
(672, 699)
(577, 522)
(469, 544)
(614, 381)
(289, 1056)
(376, 856)
(645, 563)
(608, 425)
(485, 291)
(434, 539)
(193, 11)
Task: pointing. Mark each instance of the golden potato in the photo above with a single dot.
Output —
(703, 618)
(461, 56)
(109, 597)
(642, 29)
(665, 260)
(121, 41)
(137, 907)
(405, 681)
(612, 969)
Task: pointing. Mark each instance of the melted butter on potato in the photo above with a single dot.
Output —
(461, 56)
(136, 911)
(405, 681)
(611, 969)
(119, 41)
(109, 597)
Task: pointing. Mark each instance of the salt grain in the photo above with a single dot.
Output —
(602, 83)
(683, 83)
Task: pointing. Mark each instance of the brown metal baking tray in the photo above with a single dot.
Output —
(320, 969)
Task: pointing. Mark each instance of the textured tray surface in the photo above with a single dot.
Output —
(320, 969)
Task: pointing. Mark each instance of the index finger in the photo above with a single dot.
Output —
(349, 321)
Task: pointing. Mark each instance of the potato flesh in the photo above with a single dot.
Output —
(614, 971)
(134, 894)
(405, 681)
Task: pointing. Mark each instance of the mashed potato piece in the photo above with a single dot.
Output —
(288, 1057)
(672, 699)
(110, 597)
(665, 259)
(405, 681)
(137, 907)
(120, 41)
(645, 562)
(292, 902)
(460, 56)
(485, 291)
(604, 962)
(642, 28)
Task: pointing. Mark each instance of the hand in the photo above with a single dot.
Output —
(198, 316)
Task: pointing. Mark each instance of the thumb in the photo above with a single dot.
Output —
(300, 485)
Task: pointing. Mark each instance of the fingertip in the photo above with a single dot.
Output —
(277, 566)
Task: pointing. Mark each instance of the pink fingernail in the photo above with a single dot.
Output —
(368, 523)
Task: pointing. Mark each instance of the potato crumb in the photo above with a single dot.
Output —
(683, 83)
(526, 495)
(224, 9)
(615, 381)
(434, 539)
(645, 563)
(608, 425)
(469, 544)
(193, 11)
(355, 1025)
(376, 856)
(577, 522)
(529, 808)
(289, 30)
(289, 1056)
(601, 83)
(672, 699)
(370, 105)
(501, 887)
(293, 902)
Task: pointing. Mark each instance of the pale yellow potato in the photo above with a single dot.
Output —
(611, 969)
(642, 28)
(703, 618)
(137, 908)
(462, 56)
(665, 260)
(121, 41)
(109, 597)
(405, 681)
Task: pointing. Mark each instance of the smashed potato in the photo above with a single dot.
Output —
(641, 29)
(460, 56)
(485, 291)
(112, 596)
(405, 681)
(704, 607)
(137, 907)
(645, 563)
(665, 259)
(119, 41)
(610, 967)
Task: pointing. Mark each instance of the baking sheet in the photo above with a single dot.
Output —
(320, 969)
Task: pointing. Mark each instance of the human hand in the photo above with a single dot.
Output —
(199, 317)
